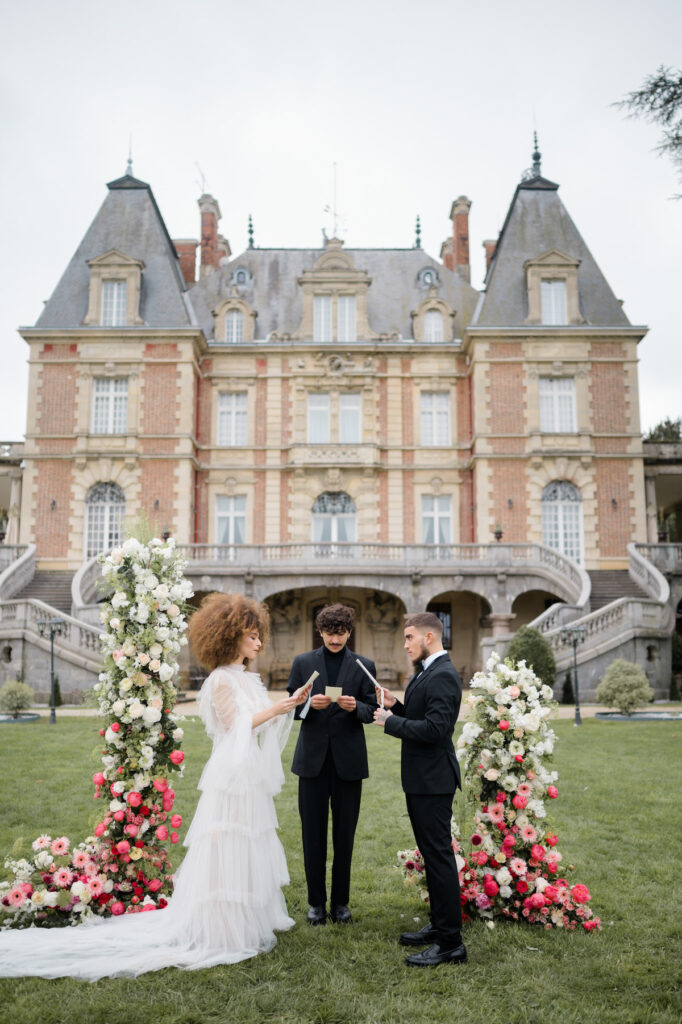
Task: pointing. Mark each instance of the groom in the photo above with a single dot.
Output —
(331, 759)
(430, 776)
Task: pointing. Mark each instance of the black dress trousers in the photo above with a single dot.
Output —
(430, 815)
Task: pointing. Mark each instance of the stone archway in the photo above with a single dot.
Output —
(470, 623)
(378, 629)
(531, 603)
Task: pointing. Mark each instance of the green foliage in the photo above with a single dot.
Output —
(567, 694)
(667, 430)
(529, 645)
(15, 697)
(624, 686)
(57, 692)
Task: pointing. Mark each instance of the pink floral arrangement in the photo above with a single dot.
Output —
(513, 868)
(124, 866)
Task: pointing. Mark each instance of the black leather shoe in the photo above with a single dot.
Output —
(340, 915)
(423, 937)
(435, 955)
(317, 915)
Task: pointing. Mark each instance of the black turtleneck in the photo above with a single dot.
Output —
(332, 663)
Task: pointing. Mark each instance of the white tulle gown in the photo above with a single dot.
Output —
(227, 903)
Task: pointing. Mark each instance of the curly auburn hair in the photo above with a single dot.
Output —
(219, 624)
(335, 618)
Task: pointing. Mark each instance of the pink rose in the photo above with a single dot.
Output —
(131, 830)
(552, 792)
(100, 829)
(114, 726)
(518, 757)
(123, 847)
(154, 884)
(117, 908)
(537, 852)
(174, 837)
(160, 785)
(503, 725)
(580, 893)
(134, 798)
(551, 840)
(176, 821)
(519, 802)
(530, 774)
(162, 832)
(521, 886)
(119, 815)
(490, 886)
(98, 778)
(176, 756)
(551, 892)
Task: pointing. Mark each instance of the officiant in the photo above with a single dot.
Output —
(331, 758)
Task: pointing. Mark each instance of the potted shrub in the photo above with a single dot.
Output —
(624, 686)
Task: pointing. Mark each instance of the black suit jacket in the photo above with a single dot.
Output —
(333, 727)
(425, 723)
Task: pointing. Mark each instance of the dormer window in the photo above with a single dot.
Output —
(428, 277)
(113, 303)
(334, 298)
(552, 283)
(553, 301)
(433, 325)
(115, 285)
(240, 277)
(234, 326)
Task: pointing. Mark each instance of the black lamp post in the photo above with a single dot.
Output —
(575, 635)
(53, 628)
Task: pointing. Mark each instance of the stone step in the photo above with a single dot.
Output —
(51, 587)
(610, 584)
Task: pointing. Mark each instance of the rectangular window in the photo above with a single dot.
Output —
(318, 418)
(350, 419)
(436, 519)
(109, 405)
(346, 331)
(232, 418)
(322, 318)
(234, 326)
(113, 303)
(444, 613)
(435, 418)
(553, 302)
(557, 405)
(433, 325)
(231, 519)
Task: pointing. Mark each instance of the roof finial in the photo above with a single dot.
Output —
(418, 234)
(537, 172)
(250, 232)
(129, 165)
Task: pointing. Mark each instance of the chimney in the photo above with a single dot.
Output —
(489, 245)
(223, 251)
(447, 254)
(210, 215)
(459, 215)
(186, 249)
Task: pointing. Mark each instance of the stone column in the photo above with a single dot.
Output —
(651, 509)
(12, 536)
(501, 623)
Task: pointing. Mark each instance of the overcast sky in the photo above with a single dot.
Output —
(416, 102)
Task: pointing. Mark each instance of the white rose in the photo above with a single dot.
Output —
(38, 897)
(136, 709)
(116, 556)
(131, 546)
(119, 600)
(125, 685)
(116, 805)
(503, 876)
(114, 624)
(118, 787)
(505, 891)
(161, 592)
(118, 707)
(173, 611)
(162, 633)
(155, 651)
(141, 613)
(165, 673)
(50, 899)
(150, 581)
(492, 775)
(178, 734)
(151, 715)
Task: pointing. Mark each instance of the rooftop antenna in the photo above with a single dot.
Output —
(202, 179)
(333, 208)
(129, 165)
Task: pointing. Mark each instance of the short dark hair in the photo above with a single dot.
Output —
(425, 621)
(335, 618)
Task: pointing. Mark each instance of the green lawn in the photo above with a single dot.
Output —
(618, 822)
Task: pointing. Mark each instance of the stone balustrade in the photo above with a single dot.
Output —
(18, 563)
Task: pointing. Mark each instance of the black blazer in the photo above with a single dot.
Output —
(333, 727)
(425, 723)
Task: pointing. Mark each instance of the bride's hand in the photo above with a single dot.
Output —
(284, 706)
(301, 695)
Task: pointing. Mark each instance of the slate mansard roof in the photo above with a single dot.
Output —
(129, 221)
(537, 222)
(274, 293)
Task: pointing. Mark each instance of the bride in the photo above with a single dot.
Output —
(227, 901)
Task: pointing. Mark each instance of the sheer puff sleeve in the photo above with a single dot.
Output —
(227, 718)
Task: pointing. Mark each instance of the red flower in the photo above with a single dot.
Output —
(176, 756)
(537, 852)
(552, 792)
(134, 798)
(518, 757)
(551, 840)
(580, 893)
(490, 886)
(476, 840)
(521, 886)
(503, 725)
(114, 728)
(519, 802)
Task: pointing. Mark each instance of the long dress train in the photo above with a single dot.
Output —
(227, 902)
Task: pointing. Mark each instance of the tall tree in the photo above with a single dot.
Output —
(659, 101)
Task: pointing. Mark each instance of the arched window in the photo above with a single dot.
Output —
(334, 518)
(433, 325)
(562, 519)
(105, 507)
(234, 326)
